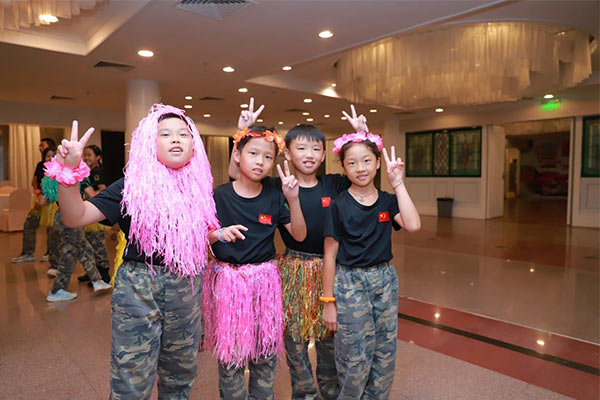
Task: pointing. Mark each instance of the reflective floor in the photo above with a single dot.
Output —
(500, 309)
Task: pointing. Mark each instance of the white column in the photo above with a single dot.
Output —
(141, 94)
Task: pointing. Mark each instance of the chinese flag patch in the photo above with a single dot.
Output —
(325, 201)
(384, 216)
(264, 219)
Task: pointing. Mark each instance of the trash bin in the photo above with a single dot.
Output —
(445, 206)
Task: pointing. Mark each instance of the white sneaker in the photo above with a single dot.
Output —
(61, 295)
(52, 272)
(23, 258)
(101, 285)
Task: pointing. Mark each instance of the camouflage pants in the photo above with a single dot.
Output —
(260, 385)
(155, 328)
(97, 240)
(365, 343)
(32, 222)
(303, 384)
(54, 245)
(73, 247)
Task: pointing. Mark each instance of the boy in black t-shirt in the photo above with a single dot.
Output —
(242, 302)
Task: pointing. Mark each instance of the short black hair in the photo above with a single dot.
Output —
(97, 150)
(173, 115)
(255, 129)
(370, 145)
(309, 132)
(46, 151)
(49, 141)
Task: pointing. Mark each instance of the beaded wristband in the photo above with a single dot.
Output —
(64, 175)
(327, 299)
(219, 236)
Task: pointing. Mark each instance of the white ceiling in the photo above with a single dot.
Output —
(191, 50)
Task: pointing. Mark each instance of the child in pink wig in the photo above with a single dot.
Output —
(164, 205)
(242, 303)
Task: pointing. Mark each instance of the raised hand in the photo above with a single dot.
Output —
(359, 123)
(70, 152)
(395, 168)
(248, 117)
(233, 232)
(289, 183)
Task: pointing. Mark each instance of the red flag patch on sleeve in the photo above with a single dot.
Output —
(384, 216)
(325, 202)
(264, 219)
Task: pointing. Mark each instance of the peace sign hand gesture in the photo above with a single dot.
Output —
(70, 151)
(289, 183)
(248, 117)
(395, 168)
(358, 123)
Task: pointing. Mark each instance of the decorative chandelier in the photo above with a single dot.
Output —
(465, 65)
(17, 14)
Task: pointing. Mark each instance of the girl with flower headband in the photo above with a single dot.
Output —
(242, 301)
(165, 208)
(360, 286)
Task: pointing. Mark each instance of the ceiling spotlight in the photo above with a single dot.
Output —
(244, 105)
(286, 68)
(343, 118)
(228, 69)
(259, 120)
(145, 53)
(333, 85)
(309, 119)
(188, 97)
(373, 110)
(242, 90)
(308, 100)
(280, 122)
(188, 106)
(540, 342)
(206, 115)
(326, 34)
(48, 18)
(439, 109)
(326, 116)
(549, 96)
(437, 315)
(305, 113)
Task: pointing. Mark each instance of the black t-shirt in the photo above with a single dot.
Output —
(364, 232)
(108, 202)
(314, 202)
(96, 178)
(261, 215)
(39, 173)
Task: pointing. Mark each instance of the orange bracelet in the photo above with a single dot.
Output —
(327, 299)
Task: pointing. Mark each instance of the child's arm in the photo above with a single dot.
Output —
(408, 217)
(247, 118)
(227, 234)
(290, 189)
(74, 211)
(329, 309)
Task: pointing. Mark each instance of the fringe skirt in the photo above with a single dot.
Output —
(301, 274)
(243, 313)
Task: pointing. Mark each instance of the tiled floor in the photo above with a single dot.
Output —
(513, 280)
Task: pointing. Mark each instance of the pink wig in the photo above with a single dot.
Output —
(172, 210)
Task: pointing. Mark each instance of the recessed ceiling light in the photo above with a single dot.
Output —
(326, 34)
(373, 110)
(549, 96)
(310, 119)
(145, 53)
(439, 109)
(333, 85)
(242, 90)
(280, 122)
(308, 100)
(188, 97)
(187, 106)
(244, 105)
(305, 113)
(540, 342)
(48, 18)
(259, 120)
(228, 69)
(437, 315)
(206, 115)
(286, 68)
(326, 115)
(343, 118)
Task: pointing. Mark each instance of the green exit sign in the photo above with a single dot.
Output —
(551, 104)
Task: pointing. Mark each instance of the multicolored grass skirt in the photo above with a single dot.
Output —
(301, 274)
(243, 313)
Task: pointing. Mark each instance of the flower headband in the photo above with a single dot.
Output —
(356, 137)
(269, 136)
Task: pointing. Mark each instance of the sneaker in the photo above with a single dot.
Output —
(83, 278)
(52, 272)
(23, 258)
(61, 295)
(45, 258)
(101, 285)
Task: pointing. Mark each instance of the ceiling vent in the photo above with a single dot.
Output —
(294, 110)
(119, 66)
(209, 98)
(215, 9)
(404, 113)
(62, 98)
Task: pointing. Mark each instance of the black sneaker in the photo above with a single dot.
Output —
(83, 278)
